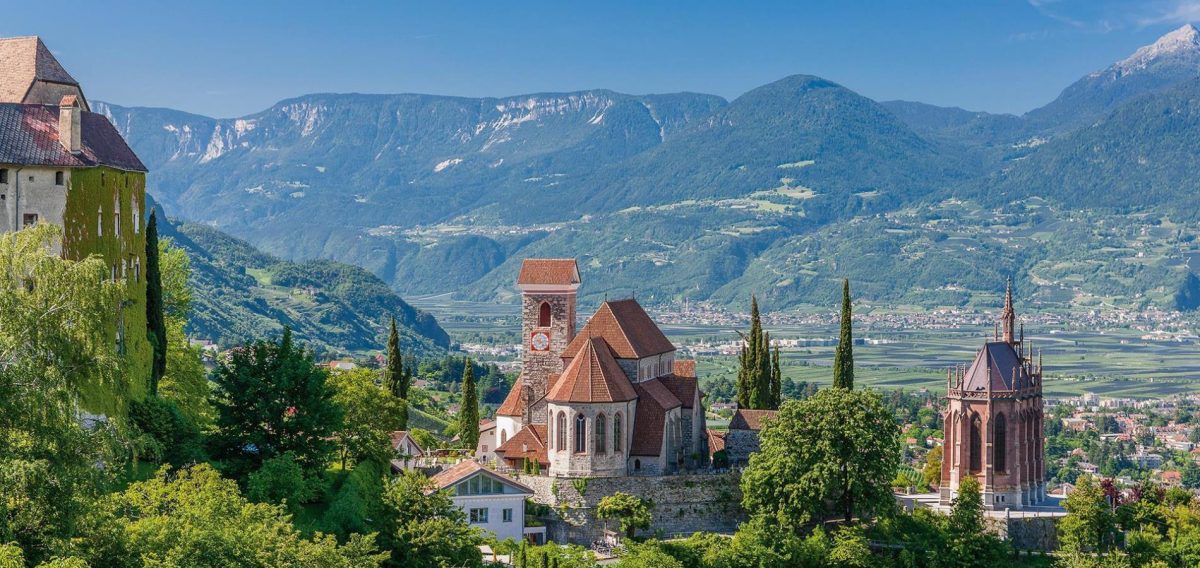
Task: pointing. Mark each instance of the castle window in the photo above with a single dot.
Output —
(100, 222)
(503, 437)
(580, 434)
(3, 175)
(1000, 442)
(617, 433)
(601, 431)
(29, 220)
(137, 215)
(117, 223)
(544, 315)
(58, 178)
(137, 270)
(637, 465)
(560, 442)
(976, 444)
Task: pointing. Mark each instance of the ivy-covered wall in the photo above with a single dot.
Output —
(95, 197)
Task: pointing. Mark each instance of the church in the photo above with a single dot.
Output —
(609, 400)
(993, 424)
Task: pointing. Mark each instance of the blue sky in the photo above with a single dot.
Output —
(224, 58)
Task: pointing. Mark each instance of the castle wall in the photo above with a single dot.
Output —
(32, 190)
(683, 504)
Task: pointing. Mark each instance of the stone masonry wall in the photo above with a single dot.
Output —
(1027, 533)
(683, 504)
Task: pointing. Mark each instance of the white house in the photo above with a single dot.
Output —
(492, 501)
(408, 452)
(485, 451)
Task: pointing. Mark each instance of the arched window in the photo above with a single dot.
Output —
(1000, 443)
(617, 439)
(580, 434)
(976, 444)
(503, 437)
(560, 442)
(544, 315)
(601, 432)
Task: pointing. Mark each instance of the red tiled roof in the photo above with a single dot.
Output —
(29, 136)
(529, 442)
(654, 400)
(465, 469)
(592, 376)
(684, 388)
(627, 328)
(716, 441)
(684, 368)
(399, 436)
(513, 404)
(549, 271)
(750, 419)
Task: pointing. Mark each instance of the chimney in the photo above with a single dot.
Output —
(68, 124)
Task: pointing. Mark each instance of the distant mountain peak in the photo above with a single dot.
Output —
(1182, 42)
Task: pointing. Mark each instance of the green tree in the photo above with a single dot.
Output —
(839, 446)
(271, 399)
(468, 414)
(1090, 525)
(776, 380)
(424, 528)
(647, 555)
(156, 325)
(370, 415)
(396, 377)
(931, 475)
(850, 549)
(969, 542)
(843, 356)
(58, 357)
(631, 512)
(281, 480)
(757, 382)
(193, 517)
(185, 382)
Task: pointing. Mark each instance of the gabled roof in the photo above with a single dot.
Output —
(592, 376)
(514, 404)
(548, 271)
(29, 136)
(399, 436)
(465, 469)
(529, 442)
(25, 61)
(684, 388)
(627, 328)
(716, 441)
(650, 417)
(996, 366)
(750, 419)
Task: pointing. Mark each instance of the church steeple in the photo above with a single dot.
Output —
(1008, 317)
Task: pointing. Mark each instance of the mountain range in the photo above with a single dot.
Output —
(781, 191)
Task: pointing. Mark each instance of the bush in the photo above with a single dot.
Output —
(168, 435)
(281, 480)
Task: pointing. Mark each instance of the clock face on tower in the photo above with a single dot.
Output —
(539, 341)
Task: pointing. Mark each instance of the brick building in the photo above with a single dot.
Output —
(994, 421)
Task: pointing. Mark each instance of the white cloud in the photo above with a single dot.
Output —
(1103, 16)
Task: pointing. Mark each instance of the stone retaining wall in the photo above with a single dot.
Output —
(683, 503)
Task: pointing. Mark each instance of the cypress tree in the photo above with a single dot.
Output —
(748, 382)
(776, 381)
(394, 375)
(156, 325)
(843, 356)
(468, 414)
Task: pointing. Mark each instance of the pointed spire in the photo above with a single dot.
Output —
(1008, 318)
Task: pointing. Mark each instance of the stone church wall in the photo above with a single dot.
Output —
(683, 504)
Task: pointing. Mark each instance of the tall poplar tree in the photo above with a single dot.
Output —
(395, 377)
(843, 356)
(776, 380)
(468, 414)
(757, 383)
(156, 324)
